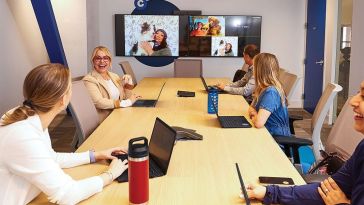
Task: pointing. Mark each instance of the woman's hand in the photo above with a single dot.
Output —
(256, 191)
(108, 154)
(127, 82)
(331, 193)
(134, 97)
(221, 86)
(252, 112)
(116, 168)
(147, 47)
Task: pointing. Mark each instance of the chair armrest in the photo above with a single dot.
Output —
(293, 118)
(314, 178)
(291, 140)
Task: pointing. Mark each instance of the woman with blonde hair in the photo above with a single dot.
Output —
(28, 164)
(107, 89)
(269, 107)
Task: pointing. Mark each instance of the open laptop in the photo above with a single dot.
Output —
(231, 121)
(160, 150)
(148, 102)
(208, 87)
(245, 193)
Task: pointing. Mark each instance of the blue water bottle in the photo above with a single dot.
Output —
(212, 101)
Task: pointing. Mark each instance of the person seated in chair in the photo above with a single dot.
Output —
(107, 89)
(269, 106)
(246, 85)
(28, 164)
(346, 186)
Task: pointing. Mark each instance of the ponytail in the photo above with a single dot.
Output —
(43, 87)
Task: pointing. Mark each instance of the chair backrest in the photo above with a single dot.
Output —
(187, 68)
(289, 83)
(83, 111)
(125, 66)
(319, 115)
(343, 138)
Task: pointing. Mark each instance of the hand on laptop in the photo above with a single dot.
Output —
(116, 168)
(134, 97)
(255, 191)
(109, 153)
(221, 86)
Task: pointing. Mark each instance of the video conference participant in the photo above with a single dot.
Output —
(199, 31)
(269, 106)
(346, 186)
(106, 89)
(229, 50)
(28, 164)
(160, 47)
(246, 85)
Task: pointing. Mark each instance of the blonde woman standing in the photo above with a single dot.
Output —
(28, 164)
(269, 107)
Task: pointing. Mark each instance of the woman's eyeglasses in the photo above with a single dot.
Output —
(98, 58)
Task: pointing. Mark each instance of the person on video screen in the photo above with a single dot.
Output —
(228, 50)
(199, 31)
(160, 46)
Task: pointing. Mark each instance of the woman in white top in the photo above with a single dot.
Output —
(107, 89)
(28, 164)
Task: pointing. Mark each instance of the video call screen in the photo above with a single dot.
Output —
(185, 35)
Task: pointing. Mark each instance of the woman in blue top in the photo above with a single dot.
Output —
(269, 105)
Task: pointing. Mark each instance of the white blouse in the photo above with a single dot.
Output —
(29, 165)
(115, 94)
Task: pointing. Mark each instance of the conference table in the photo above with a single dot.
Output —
(200, 171)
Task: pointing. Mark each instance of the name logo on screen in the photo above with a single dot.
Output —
(140, 4)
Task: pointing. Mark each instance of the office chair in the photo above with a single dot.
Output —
(341, 140)
(289, 82)
(83, 112)
(187, 68)
(125, 66)
(322, 108)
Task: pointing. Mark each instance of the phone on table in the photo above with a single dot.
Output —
(276, 180)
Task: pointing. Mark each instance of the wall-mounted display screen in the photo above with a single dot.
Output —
(184, 35)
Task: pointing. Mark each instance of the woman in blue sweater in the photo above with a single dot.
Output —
(269, 107)
(344, 187)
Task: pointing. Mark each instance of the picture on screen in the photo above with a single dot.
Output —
(224, 46)
(207, 25)
(151, 35)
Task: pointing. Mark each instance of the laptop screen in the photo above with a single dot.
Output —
(161, 144)
(204, 83)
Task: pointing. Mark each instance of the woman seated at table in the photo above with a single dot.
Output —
(269, 107)
(28, 164)
(346, 186)
(107, 89)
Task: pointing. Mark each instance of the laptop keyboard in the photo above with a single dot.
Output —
(154, 170)
(234, 122)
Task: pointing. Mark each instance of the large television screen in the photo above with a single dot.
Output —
(185, 35)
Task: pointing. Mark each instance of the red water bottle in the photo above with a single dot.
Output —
(138, 157)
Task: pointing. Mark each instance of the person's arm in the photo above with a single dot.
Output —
(246, 91)
(293, 195)
(29, 157)
(97, 98)
(269, 102)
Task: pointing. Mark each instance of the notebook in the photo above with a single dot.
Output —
(147, 102)
(231, 121)
(160, 150)
(208, 87)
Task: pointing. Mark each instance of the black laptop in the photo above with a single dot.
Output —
(231, 121)
(209, 87)
(160, 150)
(147, 102)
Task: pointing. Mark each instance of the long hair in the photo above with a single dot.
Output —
(43, 87)
(266, 73)
(163, 44)
(103, 49)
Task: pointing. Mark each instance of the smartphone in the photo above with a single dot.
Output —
(276, 180)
